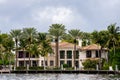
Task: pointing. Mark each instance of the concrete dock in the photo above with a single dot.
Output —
(69, 71)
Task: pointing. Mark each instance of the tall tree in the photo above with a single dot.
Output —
(8, 43)
(1, 54)
(86, 37)
(100, 38)
(57, 30)
(44, 45)
(29, 34)
(16, 36)
(75, 34)
(23, 46)
(1, 49)
(113, 36)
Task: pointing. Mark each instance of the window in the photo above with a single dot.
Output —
(98, 54)
(69, 54)
(27, 63)
(21, 63)
(62, 54)
(51, 63)
(20, 54)
(27, 54)
(34, 63)
(69, 63)
(77, 64)
(41, 63)
(33, 56)
(46, 63)
(77, 54)
(61, 62)
(88, 54)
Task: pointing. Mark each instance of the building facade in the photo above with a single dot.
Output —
(66, 51)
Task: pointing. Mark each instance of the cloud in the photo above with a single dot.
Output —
(54, 15)
(62, 15)
(85, 15)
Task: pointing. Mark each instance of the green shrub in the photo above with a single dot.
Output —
(105, 66)
(90, 64)
(56, 68)
(21, 68)
(1, 62)
(36, 68)
(65, 66)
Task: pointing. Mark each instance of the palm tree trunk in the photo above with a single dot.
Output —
(114, 48)
(29, 60)
(57, 48)
(24, 56)
(44, 63)
(16, 53)
(74, 54)
(99, 52)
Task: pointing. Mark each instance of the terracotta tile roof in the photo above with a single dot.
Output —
(92, 47)
(65, 45)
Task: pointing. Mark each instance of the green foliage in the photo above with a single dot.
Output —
(113, 36)
(100, 37)
(65, 66)
(1, 62)
(105, 66)
(57, 30)
(115, 59)
(21, 68)
(56, 68)
(36, 68)
(67, 38)
(44, 46)
(90, 64)
(75, 34)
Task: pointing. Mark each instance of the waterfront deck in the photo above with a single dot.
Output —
(5, 71)
(70, 71)
(61, 71)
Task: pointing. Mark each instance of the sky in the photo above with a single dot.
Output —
(86, 15)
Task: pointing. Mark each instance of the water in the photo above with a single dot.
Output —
(57, 77)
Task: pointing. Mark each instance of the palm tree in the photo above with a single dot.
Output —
(9, 45)
(44, 46)
(16, 36)
(100, 38)
(113, 36)
(57, 30)
(86, 37)
(23, 46)
(2, 49)
(29, 34)
(75, 34)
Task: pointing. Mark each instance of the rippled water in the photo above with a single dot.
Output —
(57, 77)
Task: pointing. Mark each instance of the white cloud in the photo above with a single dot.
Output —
(67, 16)
(54, 15)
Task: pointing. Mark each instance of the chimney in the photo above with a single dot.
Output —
(80, 42)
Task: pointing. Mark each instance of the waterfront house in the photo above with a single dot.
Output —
(66, 51)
